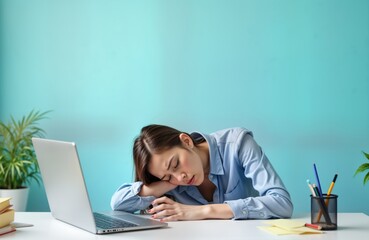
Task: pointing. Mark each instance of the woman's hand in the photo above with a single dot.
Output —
(166, 210)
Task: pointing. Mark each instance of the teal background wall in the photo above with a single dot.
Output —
(294, 72)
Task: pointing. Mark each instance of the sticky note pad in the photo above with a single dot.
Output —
(287, 226)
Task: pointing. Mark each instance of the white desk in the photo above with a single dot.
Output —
(350, 226)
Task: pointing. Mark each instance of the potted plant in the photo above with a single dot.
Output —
(363, 168)
(18, 163)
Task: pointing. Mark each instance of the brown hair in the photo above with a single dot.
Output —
(153, 139)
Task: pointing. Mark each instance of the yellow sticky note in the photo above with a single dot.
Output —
(275, 230)
(287, 226)
(286, 223)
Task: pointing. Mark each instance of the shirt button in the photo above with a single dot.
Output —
(261, 214)
(244, 211)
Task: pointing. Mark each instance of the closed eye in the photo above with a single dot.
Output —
(174, 168)
(177, 164)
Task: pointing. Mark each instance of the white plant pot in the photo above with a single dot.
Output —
(19, 198)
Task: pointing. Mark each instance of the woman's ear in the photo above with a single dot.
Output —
(186, 140)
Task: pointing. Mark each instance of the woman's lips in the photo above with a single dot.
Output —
(191, 180)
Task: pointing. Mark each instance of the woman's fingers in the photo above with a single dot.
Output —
(167, 210)
(162, 200)
(160, 207)
(163, 214)
(164, 207)
(161, 204)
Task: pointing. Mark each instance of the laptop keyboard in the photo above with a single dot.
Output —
(106, 222)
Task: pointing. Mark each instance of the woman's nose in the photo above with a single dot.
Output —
(181, 177)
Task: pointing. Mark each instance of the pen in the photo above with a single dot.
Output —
(317, 227)
(317, 179)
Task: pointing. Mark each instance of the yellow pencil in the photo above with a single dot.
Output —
(332, 185)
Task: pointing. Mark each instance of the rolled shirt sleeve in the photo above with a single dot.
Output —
(262, 207)
(126, 198)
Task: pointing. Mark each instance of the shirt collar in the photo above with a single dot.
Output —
(216, 165)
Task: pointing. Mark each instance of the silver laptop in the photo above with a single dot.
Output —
(67, 194)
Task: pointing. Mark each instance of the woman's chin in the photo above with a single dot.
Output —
(198, 182)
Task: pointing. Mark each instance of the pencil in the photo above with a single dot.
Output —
(310, 187)
(317, 227)
(332, 185)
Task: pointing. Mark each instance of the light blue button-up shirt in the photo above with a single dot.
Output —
(243, 176)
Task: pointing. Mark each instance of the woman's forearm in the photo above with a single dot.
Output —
(166, 209)
(156, 189)
(217, 211)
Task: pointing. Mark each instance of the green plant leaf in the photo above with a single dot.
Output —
(18, 163)
(366, 155)
(366, 178)
(363, 167)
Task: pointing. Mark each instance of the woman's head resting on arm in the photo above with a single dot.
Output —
(164, 153)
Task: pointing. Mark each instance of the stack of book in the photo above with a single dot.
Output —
(6, 216)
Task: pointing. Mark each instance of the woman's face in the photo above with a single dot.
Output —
(179, 166)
